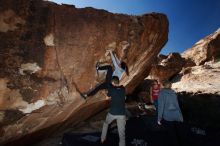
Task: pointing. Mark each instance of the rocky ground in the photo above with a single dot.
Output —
(196, 131)
(92, 124)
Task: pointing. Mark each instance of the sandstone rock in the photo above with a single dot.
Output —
(167, 66)
(142, 91)
(48, 54)
(198, 90)
(161, 57)
(202, 79)
(206, 49)
(198, 86)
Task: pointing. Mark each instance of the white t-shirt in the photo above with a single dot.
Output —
(118, 70)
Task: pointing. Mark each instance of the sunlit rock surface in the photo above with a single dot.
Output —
(204, 76)
(198, 90)
(197, 67)
(199, 79)
(198, 86)
(48, 54)
(206, 49)
(167, 66)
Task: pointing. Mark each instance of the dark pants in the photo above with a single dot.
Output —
(107, 81)
(173, 132)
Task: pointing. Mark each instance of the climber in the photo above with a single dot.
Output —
(117, 110)
(119, 69)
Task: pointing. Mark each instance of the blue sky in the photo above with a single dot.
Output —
(189, 20)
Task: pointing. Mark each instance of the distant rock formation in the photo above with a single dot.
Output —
(48, 54)
(196, 81)
(205, 50)
(202, 79)
(198, 90)
(167, 66)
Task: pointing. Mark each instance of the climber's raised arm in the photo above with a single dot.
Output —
(115, 60)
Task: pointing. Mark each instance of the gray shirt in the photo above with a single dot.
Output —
(168, 107)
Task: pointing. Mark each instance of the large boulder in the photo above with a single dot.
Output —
(206, 49)
(48, 55)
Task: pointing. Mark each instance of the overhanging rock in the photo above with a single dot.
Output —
(49, 52)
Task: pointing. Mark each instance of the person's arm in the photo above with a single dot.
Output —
(115, 60)
(160, 107)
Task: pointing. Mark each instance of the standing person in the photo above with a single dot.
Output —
(154, 92)
(119, 69)
(169, 113)
(117, 110)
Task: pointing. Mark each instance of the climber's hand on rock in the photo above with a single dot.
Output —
(109, 50)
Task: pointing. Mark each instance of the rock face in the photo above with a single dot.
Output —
(206, 49)
(198, 90)
(48, 54)
(204, 76)
(199, 79)
(198, 87)
(167, 66)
